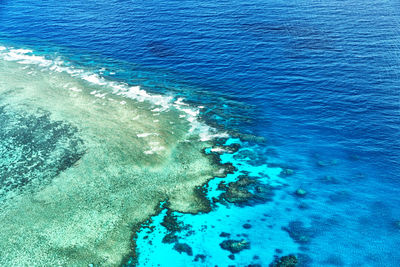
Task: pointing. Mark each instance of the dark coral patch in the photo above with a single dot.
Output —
(285, 261)
(246, 226)
(299, 233)
(170, 222)
(183, 248)
(224, 234)
(35, 148)
(235, 246)
(246, 191)
(200, 257)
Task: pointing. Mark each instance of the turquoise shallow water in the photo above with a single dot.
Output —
(310, 88)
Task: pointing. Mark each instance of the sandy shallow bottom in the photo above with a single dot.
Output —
(84, 167)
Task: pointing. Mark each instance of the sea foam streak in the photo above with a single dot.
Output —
(26, 56)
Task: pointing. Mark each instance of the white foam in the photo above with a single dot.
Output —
(154, 149)
(180, 102)
(163, 103)
(21, 57)
(146, 135)
(94, 78)
(22, 51)
(219, 150)
(99, 95)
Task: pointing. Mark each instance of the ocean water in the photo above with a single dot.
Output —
(121, 122)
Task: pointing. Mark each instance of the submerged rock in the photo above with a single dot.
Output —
(329, 180)
(246, 191)
(303, 206)
(244, 180)
(246, 226)
(286, 172)
(298, 232)
(222, 186)
(170, 238)
(235, 194)
(200, 257)
(300, 192)
(285, 261)
(170, 222)
(224, 234)
(325, 163)
(235, 246)
(182, 247)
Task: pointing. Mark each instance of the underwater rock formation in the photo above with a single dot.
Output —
(285, 261)
(183, 248)
(235, 246)
(286, 172)
(298, 232)
(300, 192)
(246, 191)
(236, 193)
(327, 179)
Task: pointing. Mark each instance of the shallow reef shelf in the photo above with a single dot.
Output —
(88, 160)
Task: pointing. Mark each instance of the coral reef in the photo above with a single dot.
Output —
(300, 192)
(285, 261)
(235, 246)
(298, 232)
(183, 248)
(246, 226)
(200, 257)
(246, 191)
(35, 148)
(98, 163)
(286, 172)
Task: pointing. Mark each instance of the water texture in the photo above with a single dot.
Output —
(118, 113)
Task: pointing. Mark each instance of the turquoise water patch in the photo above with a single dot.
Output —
(244, 226)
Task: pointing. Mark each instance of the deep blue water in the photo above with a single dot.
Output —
(320, 80)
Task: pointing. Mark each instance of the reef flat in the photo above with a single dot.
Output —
(84, 161)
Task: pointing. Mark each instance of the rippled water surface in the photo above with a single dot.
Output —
(301, 97)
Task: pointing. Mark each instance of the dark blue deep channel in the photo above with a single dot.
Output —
(309, 89)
